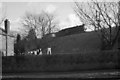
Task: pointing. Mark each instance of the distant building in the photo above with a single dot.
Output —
(10, 42)
(66, 32)
(70, 31)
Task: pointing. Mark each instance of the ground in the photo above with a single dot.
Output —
(83, 74)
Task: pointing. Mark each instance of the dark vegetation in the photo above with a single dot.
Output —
(74, 52)
(73, 49)
(62, 62)
(66, 41)
(31, 42)
(77, 43)
(97, 15)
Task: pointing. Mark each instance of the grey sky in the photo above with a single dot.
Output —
(63, 10)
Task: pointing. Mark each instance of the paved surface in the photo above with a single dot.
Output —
(88, 74)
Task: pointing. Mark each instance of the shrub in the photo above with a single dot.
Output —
(64, 62)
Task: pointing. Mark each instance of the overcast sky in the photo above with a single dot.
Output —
(64, 12)
(63, 9)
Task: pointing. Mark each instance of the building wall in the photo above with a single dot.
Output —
(1, 43)
(10, 45)
(70, 31)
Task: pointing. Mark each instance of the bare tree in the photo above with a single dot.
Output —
(29, 22)
(47, 23)
(42, 23)
(102, 16)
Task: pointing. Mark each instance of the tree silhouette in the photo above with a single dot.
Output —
(18, 46)
(102, 16)
(43, 23)
(18, 38)
(31, 34)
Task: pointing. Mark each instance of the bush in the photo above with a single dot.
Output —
(62, 62)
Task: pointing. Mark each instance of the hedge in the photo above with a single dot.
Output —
(62, 62)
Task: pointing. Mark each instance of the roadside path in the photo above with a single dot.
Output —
(86, 74)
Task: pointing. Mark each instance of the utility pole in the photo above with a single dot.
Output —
(7, 27)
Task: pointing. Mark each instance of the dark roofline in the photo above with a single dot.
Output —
(73, 27)
(7, 35)
(4, 34)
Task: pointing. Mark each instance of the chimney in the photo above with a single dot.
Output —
(7, 26)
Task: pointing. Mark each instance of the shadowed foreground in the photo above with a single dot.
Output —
(82, 75)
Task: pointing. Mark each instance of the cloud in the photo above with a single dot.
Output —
(1, 25)
(15, 25)
(63, 24)
(50, 8)
(0, 9)
(70, 21)
(38, 7)
(31, 6)
(1, 5)
(57, 0)
(74, 20)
